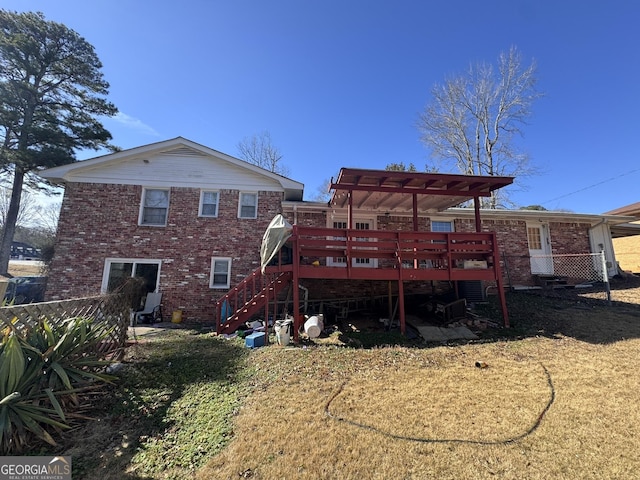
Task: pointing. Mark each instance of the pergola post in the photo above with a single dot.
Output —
(476, 208)
(297, 321)
(403, 327)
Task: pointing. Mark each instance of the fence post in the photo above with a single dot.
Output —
(605, 276)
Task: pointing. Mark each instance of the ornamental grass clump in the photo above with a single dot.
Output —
(43, 371)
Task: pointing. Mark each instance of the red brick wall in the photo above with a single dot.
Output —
(101, 221)
(514, 248)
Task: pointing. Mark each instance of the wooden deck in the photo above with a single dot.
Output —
(399, 256)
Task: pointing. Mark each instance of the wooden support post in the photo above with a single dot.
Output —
(296, 292)
(476, 207)
(390, 302)
(265, 282)
(499, 283)
(403, 327)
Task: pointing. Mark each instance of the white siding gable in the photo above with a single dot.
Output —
(177, 167)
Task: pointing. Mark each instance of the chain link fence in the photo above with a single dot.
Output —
(586, 272)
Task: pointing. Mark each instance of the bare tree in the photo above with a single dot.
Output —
(27, 213)
(322, 193)
(258, 150)
(473, 119)
(47, 217)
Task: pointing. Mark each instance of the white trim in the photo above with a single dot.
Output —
(201, 203)
(213, 261)
(240, 195)
(141, 212)
(109, 260)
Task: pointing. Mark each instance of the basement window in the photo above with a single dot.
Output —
(220, 272)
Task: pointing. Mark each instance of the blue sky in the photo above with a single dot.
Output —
(341, 83)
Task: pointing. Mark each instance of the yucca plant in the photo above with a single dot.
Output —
(41, 373)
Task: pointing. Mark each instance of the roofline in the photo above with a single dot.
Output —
(631, 209)
(456, 176)
(59, 174)
(625, 230)
(548, 214)
(484, 213)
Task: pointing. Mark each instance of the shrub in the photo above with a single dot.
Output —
(42, 371)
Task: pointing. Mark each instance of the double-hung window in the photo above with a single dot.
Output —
(155, 207)
(248, 205)
(209, 203)
(220, 272)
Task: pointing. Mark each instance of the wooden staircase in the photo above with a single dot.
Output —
(248, 298)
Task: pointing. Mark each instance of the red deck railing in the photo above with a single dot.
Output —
(388, 255)
(368, 255)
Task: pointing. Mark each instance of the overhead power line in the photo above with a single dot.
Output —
(592, 186)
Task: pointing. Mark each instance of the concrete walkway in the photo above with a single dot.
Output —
(444, 334)
(144, 330)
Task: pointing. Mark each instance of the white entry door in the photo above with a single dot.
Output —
(540, 249)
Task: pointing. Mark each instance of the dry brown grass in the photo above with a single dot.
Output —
(25, 268)
(418, 413)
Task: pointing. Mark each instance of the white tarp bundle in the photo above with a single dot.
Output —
(278, 232)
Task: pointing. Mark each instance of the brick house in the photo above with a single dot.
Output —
(190, 220)
(186, 218)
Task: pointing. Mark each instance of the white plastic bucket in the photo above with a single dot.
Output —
(283, 331)
(314, 326)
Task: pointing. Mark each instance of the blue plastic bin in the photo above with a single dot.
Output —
(254, 340)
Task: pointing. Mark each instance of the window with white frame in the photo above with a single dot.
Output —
(248, 205)
(209, 203)
(155, 206)
(333, 261)
(441, 226)
(220, 272)
(356, 262)
(118, 270)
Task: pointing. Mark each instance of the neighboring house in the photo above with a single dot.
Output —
(626, 238)
(190, 220)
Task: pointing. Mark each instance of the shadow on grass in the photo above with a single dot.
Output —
(565, 313)
(138, 416)
(582, 314)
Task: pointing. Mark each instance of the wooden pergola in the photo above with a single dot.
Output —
(402, 192)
